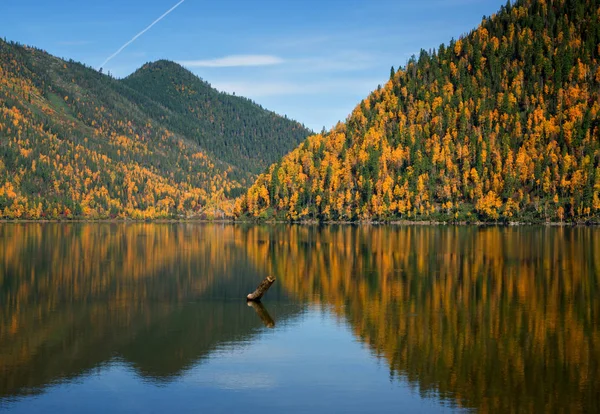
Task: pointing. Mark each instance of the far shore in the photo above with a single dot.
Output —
(308, 222)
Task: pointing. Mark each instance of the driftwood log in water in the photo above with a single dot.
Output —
(261, 289)
(262, 313)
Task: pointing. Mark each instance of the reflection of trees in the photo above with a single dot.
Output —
(497, 319)
(160, 296)
(492, 318)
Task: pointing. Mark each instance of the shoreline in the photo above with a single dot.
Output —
(305, 222)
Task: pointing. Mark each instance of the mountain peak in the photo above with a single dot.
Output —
(164, 66)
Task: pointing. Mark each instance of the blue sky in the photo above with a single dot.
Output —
(311, 60)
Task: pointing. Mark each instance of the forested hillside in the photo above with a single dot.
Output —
(75, 143)
(239, 131)
(502, 124)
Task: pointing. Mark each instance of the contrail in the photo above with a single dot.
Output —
(141, 33)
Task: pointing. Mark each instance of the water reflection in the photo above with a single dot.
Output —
(496, 319)
(262, 313)
(159, 296)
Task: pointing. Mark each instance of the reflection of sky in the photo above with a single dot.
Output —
(311, 365)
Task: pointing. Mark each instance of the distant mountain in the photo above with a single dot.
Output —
(502, 124)
(160, 143)
(236, 129)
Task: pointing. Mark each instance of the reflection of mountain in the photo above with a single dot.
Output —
(161, 297)
(497, 319)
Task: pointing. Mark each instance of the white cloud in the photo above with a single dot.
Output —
(233, 60)
(335, 62)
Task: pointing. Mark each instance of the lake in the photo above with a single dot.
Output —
(115, 317)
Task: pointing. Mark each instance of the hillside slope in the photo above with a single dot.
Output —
(502, 124)
(76, 143)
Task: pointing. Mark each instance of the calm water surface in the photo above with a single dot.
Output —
(152, 318)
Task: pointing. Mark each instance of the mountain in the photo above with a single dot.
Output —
(239, 131)
(502, 124)
(160, 143)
